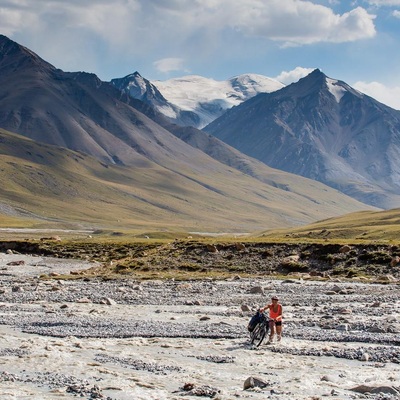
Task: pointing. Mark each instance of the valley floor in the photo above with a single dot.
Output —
(160, 340)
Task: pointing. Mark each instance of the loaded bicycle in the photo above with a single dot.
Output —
(258, 328)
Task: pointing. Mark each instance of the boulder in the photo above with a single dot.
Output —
(211, 248)
(257, 290)
(252, 382)
(376, 389)
(240, 246)
(395, 261)
(345, 249)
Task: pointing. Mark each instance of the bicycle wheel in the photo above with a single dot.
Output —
(258, 335)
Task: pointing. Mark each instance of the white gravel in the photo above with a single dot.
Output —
(132, 340)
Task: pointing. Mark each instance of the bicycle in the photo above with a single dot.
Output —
(260, 331)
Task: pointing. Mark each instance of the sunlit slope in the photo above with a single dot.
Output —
(54, 183)
(359, 226)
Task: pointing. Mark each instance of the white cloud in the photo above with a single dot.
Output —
(12, 18)
(384, 2)
(396, 13)
(387, 95)
(294, 75)
(143, 21)
(75, 34)
(170, 64)
(284, 21)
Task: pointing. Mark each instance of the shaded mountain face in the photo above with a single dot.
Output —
(195, 100)
(325, 130)
(80, 112)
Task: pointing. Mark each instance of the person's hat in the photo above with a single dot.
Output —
(274, 298)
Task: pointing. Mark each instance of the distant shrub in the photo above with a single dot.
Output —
(377, 257)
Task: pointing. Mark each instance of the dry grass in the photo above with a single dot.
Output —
(359, 227)
(58, 187)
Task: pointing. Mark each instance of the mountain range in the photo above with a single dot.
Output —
(194, 100)
(319, 127)
(76, 149)
(323, 129)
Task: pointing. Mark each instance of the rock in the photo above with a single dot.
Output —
(15, 263)
(344, 249)
(245, 308)
(375, 389)
(395, 261)
(184, 286)
(257, 290)
(240, 246)
(336, 289)
(387, 278)
(211, 248)
(342, 327)
(204, 390)
(292, 258)
(52, 238)
(188, 386)
(252, 382)
(84, 300)
(394, 328)
(205, 318)
(108, 301)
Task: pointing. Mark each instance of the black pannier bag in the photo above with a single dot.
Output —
(255, 319)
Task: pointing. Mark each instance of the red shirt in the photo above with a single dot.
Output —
(275, 314)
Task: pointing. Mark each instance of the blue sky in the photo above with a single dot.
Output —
(354, 41)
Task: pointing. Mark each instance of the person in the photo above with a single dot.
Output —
(275, 319)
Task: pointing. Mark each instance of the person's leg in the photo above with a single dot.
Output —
(271, 331)
(279, 331)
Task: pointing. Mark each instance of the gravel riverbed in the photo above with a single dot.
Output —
(170, 340)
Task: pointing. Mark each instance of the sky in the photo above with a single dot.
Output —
(357, 41)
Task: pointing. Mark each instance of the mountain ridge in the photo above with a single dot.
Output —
(194, 100)
(79, 112)
(322, 129)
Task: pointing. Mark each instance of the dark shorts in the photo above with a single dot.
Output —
(277, 323)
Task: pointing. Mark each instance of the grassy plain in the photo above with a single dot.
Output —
(311, 252)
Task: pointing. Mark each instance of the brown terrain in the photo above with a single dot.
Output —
(194, 259)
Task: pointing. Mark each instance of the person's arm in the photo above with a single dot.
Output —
(264, 308)
(279, 317)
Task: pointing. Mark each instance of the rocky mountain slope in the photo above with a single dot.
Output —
(325, 130)
(194, 100)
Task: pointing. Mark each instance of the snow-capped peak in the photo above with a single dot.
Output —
(335, 88)
(209, 98)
